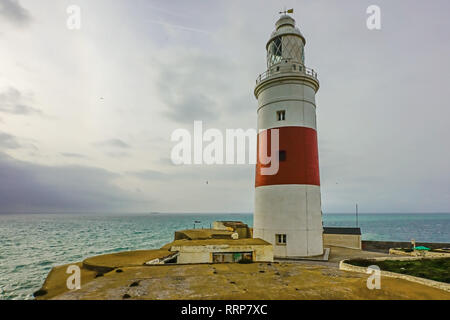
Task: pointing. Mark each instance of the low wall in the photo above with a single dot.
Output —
(421, 253)
(352, 241)
(344, 265)
(384, 246)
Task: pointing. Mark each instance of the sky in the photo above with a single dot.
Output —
(86, 116)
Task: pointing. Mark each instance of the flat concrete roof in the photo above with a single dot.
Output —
(232, 222)
(342, 230)
(208, 242)
(107, 262)
(204, 233)
(233, 281)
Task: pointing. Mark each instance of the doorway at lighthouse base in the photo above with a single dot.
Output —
(290, 218)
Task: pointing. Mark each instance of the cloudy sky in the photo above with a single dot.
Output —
(86, 115)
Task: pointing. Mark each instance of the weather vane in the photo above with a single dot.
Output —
(286, 11)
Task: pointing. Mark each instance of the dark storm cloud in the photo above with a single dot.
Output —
(12, 101)
(13, 12)
(8, 141)
(27, 187)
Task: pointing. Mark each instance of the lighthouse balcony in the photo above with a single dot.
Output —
(286, 67)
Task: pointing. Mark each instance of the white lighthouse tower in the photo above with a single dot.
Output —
(287, 204)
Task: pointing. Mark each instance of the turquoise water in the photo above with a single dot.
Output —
(30, 245)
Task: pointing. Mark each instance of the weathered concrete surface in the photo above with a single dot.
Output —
(93, 267)
(337, 254)
(299, 280)
(201, 234)
(108, 262)
(55, 284)
(246, 281)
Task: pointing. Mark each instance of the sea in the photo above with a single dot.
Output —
(31, 244)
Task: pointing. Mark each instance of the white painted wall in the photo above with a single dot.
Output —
(294, 210)
(291, 91)
(203, 253)
(298, 114)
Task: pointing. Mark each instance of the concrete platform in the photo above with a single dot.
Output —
(323, 257)
(108, 262)
(301, 279)
(245, 281)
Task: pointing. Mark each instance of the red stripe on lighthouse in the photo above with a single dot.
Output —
(301, 165)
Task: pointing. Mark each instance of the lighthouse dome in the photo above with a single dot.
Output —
(285, 43)
(285, 20)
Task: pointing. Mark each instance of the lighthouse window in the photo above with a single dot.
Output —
(280, 239)
(282, 155)
(274, 52)
(281, 115)
(277, 46)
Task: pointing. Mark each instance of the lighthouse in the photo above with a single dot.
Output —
(287, 201)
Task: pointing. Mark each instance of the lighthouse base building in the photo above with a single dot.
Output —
(287, 210)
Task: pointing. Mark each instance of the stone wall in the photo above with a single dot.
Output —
(384, 246)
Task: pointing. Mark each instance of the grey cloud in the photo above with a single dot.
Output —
(8, 141)
(114, 143)
(190, 108)
(150, 175)
(194, 86)
(200, 172)
(13, 12)
(73, 155)
(223, 173)
(12, 101)
(118, 154)
(114, 148)
(27, 187)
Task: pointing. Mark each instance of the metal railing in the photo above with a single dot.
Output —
(275, 70)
